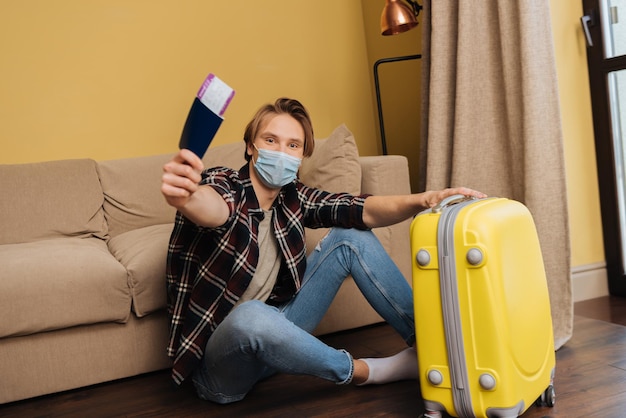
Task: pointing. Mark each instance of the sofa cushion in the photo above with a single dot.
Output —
(334, 165)
(228, 155)
(60, 283)
(132, 193)
(143, 252)
(50, 200)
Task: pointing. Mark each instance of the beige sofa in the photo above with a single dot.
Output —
(82, 254)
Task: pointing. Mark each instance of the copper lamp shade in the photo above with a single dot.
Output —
(397, 17)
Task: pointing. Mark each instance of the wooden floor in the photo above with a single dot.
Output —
(590, 382)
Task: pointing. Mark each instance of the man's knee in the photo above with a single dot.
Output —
(354, 235)
(257, 324)
(251, 317)
(350, 232)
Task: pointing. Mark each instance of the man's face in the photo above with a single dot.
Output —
(280, 133)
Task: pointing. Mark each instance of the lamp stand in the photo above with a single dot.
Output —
(378, 100)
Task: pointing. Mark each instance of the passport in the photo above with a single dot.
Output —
(206, 115)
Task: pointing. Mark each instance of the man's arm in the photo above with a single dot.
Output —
(179, 185)
(388, 210)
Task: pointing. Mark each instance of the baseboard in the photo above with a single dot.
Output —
(589, 281)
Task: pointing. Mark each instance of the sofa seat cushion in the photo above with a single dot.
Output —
(60, 283)
(143, 252)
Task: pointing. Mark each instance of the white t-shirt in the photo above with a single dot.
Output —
(266, 271)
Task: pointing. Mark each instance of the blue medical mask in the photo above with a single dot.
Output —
(275, 168)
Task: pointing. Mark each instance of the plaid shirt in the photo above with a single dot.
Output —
(208, 269)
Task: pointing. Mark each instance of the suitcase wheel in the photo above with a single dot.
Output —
(547, 398)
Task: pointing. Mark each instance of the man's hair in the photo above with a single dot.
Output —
(284, 105)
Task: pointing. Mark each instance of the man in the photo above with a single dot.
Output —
(242, 295)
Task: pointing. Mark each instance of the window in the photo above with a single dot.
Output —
(605, 27)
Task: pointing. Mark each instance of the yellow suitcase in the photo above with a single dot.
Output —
(485, 344)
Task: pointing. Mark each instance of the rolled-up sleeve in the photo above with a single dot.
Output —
(323, 209)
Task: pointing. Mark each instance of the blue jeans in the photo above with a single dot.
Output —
(256, 340)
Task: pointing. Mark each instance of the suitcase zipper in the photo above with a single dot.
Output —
(451, 311)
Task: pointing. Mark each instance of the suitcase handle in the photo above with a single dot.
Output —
(449, 201)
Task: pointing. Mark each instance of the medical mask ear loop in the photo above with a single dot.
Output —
(257, 154)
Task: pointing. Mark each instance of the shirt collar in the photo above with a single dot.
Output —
(254, 207)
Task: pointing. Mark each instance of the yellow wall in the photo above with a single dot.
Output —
(582, 181)
(400, 86)
(115, 79)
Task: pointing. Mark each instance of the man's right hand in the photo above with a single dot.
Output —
(181, 176)
(200, 204)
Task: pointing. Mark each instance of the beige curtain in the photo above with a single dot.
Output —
(491, 119)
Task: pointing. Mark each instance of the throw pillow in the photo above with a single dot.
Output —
(334, 165)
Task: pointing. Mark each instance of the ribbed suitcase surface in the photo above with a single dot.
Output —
(482, 311)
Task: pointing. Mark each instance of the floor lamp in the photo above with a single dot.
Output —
(378, 98)
(397, 17)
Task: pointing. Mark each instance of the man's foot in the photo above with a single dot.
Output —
(401, 366)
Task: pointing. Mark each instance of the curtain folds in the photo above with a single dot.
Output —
(491, 120)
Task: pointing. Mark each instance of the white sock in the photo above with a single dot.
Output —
(401, 366)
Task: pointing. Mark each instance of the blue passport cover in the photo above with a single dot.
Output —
(200, 128)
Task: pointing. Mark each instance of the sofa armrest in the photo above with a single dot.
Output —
(389, 175)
